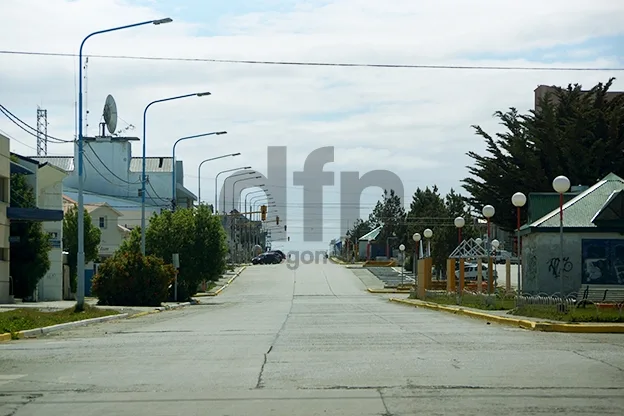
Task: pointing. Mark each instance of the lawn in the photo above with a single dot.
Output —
(492, 303)
(587, 314)
(22, 319)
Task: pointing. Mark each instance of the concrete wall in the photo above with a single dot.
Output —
(5, 231)
(50, 196)
(540, 258)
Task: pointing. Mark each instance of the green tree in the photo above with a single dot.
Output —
(29, 259)
(92, 236)
(196, 235)
(574, 133)
(390, 213)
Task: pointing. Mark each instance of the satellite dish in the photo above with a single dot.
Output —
(110, 114)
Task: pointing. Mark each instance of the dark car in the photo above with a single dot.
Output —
(267, 258)
(279, 253)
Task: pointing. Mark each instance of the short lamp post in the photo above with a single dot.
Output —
(488, 212)
(561, 185)
(519, 200)
(459, 223)
(402, 250)
(416, 237)
(428, 234)
(495, 244)
(478, 241)
(368, 249)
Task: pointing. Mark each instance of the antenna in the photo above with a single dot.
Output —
(42, 132)
(110, 115)
(86, 126)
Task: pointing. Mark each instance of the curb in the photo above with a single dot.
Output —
(229, 282)
(337, 260)
(580, 328)
(30, 333)
(373, 290)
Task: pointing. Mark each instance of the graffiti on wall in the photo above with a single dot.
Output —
(603, 261)
(554, 266)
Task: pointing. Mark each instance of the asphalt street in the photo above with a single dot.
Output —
(309, 341)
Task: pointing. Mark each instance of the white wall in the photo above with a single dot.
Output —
(50, 196)
(540, 258)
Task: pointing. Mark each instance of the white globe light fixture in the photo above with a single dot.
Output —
(518, 199)
(561, 184)
(459, 222)
(495, 243)
(428, 233)
(488, 211)
(402, 247)
(478, 241)
(416, 237)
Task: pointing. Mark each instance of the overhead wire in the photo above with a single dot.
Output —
(28, 128)
(311, 63)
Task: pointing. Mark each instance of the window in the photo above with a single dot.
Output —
(103, 221)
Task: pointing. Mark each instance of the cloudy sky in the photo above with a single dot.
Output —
(414, 122)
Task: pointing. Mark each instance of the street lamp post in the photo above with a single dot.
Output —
(234, 231)
(230, 177)
(199, 175)
(459, 223)
(80, 252)
(216, 184)
(561, 185)
(519, 200)
(174, 194)
(488, 212)
(234, 188)
(144, 160)
(416, 237)
(402, 250)
(428, 234)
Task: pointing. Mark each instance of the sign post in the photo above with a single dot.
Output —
(176, 264)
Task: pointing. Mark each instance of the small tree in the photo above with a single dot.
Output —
(29, 254)
(92, 237)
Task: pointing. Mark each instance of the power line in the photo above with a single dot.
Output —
(318, 64)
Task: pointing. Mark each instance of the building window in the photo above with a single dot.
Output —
(4, 194)
(103, 222)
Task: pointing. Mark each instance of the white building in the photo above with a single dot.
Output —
(110, 170)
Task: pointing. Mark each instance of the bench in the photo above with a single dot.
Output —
(601, 297)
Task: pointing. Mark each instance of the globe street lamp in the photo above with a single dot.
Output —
(479, 241)
(488, 212)
(519, 200)
(80, 289)
(561, 185)
(459, 223)
(416, 237)
(428, 234)
(402, 250)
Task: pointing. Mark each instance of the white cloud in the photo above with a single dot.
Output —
(415, 122)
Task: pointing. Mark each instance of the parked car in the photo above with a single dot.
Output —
(267, 258)
(279, 253)
(501, 256)
(471, 269)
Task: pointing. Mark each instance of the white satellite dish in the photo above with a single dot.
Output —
(110, 114)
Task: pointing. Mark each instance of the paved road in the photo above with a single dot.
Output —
(309, 342)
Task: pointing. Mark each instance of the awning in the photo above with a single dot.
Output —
(34, 214)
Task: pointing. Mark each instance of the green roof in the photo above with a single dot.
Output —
(581, 210)
(541, 203)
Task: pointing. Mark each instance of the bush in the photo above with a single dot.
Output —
(131, 279)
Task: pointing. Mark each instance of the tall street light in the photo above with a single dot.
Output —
(416, 237)
(216, 184)
(253, 193)
(459, 223)
(519, 200)
(428, 233)
(230, 177)
(174, 193)
(199, 174)
(241, 180)
(81, 253)
(561, 185)
(488, 212)
(143, 175)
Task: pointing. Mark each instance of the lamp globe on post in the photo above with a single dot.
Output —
(479, 241)
(561, 185)
(459, 223)
(428, 234)
(402, 250)
(416, 237)
(519, 200)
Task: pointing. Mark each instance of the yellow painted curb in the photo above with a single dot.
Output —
(5, 337)
(580, 328)
(229, 282)
(373, 290)
(144, 313)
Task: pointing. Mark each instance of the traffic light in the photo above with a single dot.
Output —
(263, 212)
(276, 220)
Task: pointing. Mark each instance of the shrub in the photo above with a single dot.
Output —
(132, 279)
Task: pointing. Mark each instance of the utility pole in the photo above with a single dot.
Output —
(42, 132)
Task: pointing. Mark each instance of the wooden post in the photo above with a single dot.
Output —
(479, 275)
(450, 275)
(422, 280)
(490, 275)
(508, 275)
(462, 275)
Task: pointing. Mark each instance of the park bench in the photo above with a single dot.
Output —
(601, 297)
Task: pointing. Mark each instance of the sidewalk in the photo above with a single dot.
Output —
(223, 282)
(51, 306)
(502, 317)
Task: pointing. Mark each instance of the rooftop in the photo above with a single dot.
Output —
(152, 164)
